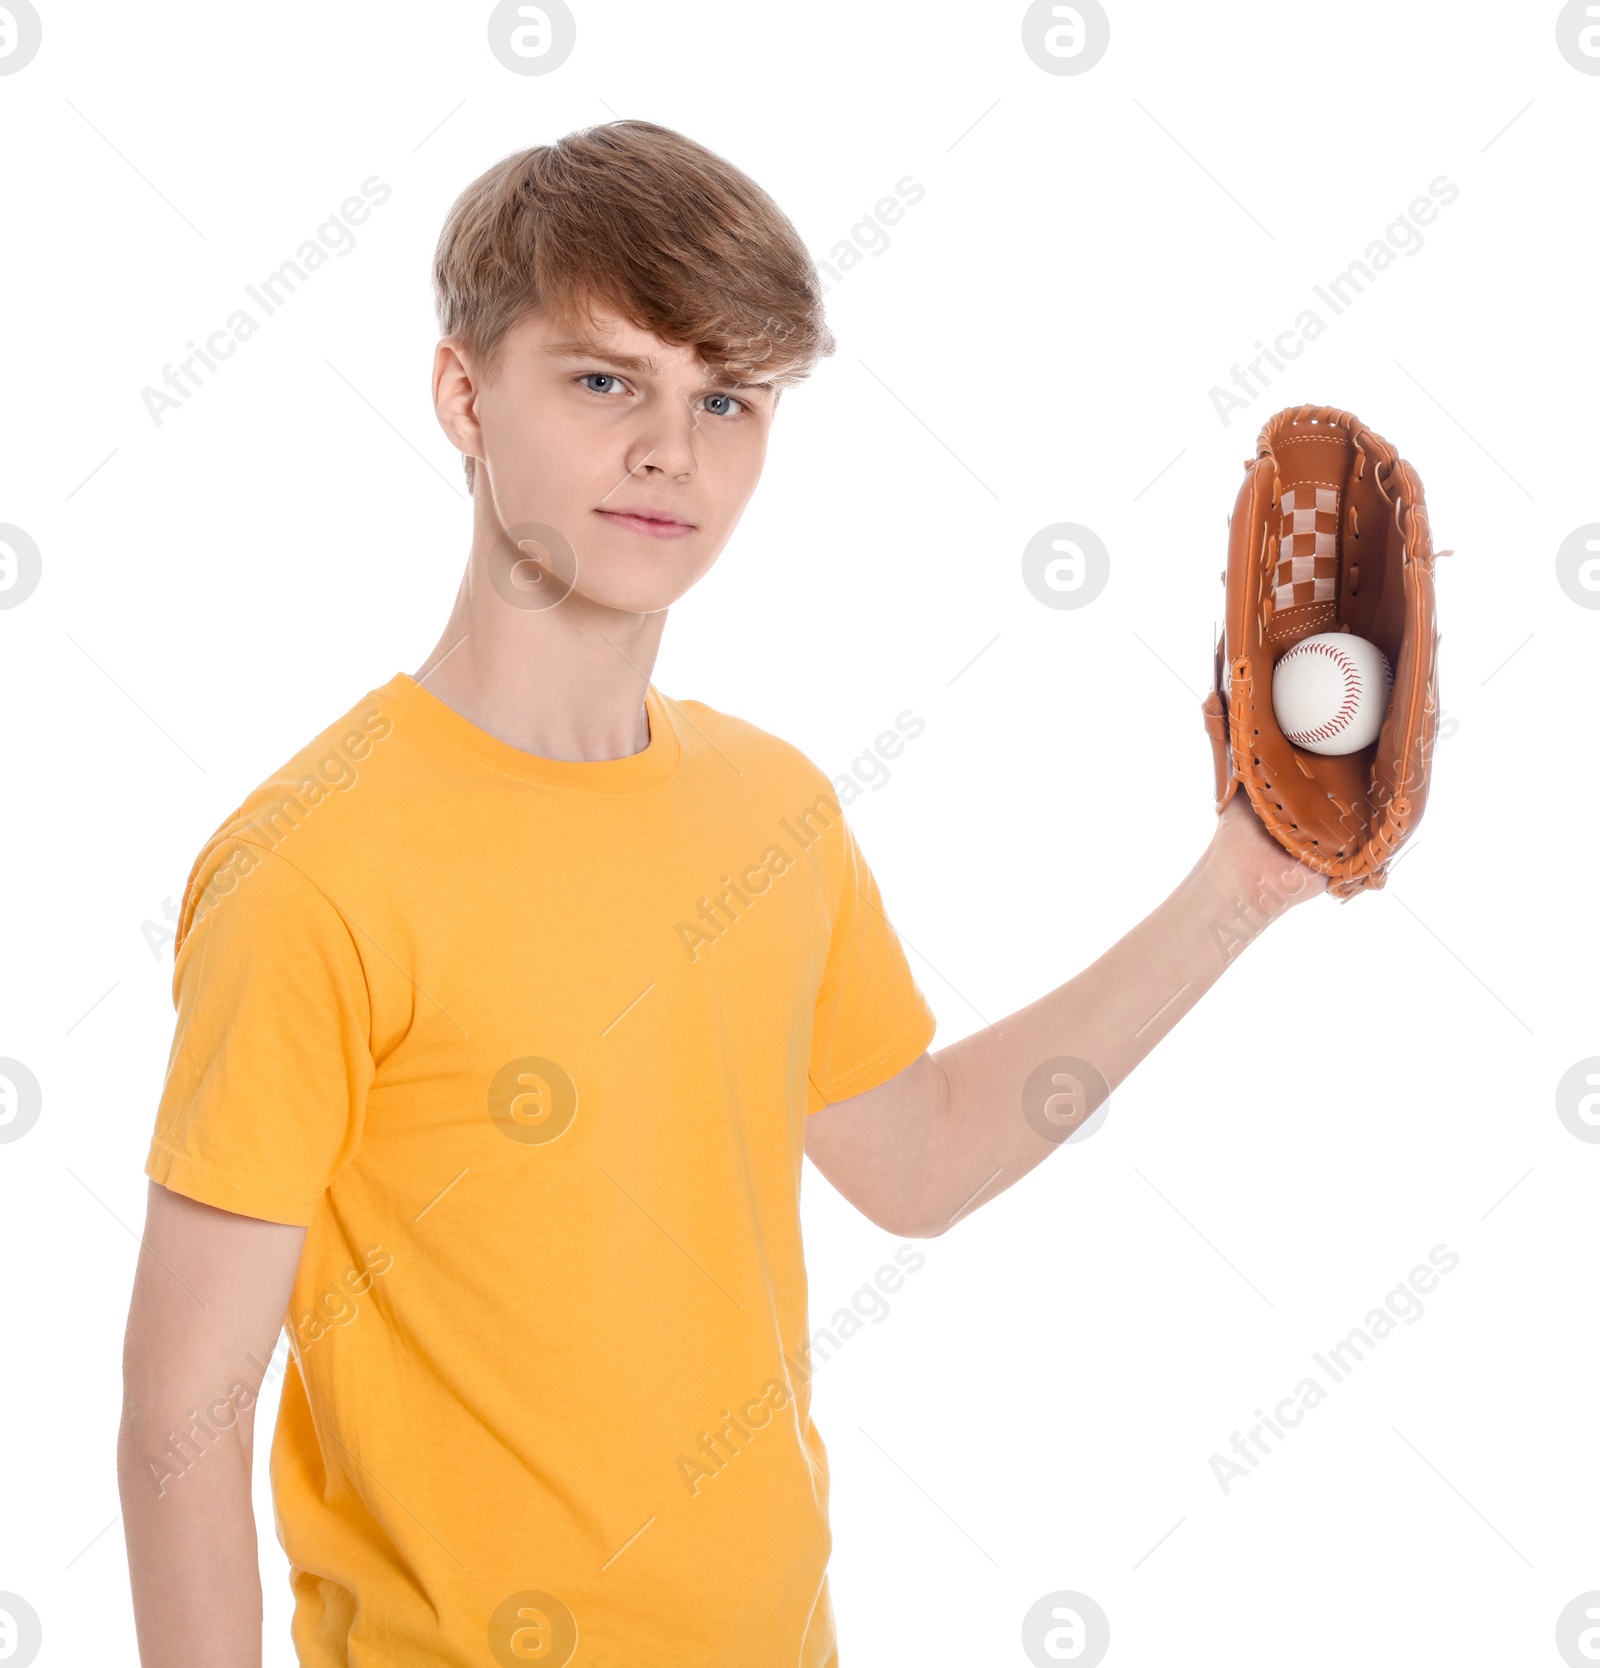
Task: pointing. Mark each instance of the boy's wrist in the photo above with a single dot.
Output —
(1245, 880)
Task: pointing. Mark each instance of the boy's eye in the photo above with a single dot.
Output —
(728, 407)
(599, 376)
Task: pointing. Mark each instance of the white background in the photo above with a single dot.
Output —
(1037, 341)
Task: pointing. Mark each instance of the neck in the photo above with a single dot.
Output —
(562, 681)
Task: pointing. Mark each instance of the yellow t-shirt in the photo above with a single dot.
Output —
(528, 1045)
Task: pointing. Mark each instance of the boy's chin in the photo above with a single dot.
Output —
(638, 581)
(629, 588)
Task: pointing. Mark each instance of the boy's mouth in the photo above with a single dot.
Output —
(655, 524)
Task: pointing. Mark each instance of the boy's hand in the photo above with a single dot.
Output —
(1244, 863)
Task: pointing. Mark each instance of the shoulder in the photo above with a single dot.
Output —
(747, 746)
(808, 792)
(777, 783)
(304, 807)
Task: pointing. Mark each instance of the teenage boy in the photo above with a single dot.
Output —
(507, 1008)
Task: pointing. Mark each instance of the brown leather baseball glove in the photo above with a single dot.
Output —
(1330, 533)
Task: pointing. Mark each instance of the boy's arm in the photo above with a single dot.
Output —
(949, 1132)
(209, 1298)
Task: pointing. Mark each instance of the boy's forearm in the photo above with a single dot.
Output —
(191, 1534)
(992, 1126)
(209, 1296)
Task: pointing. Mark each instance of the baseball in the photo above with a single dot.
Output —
(1330, 692)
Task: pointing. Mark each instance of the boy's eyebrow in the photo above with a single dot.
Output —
(581, 349)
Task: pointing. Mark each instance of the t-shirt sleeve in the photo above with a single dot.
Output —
(871, 1020)
(271, 1058)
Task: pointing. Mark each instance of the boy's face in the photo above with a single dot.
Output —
(629, 447)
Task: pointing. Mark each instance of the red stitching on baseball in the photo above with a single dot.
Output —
(1347, 707)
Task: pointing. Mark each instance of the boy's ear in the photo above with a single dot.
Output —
(455, 398)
